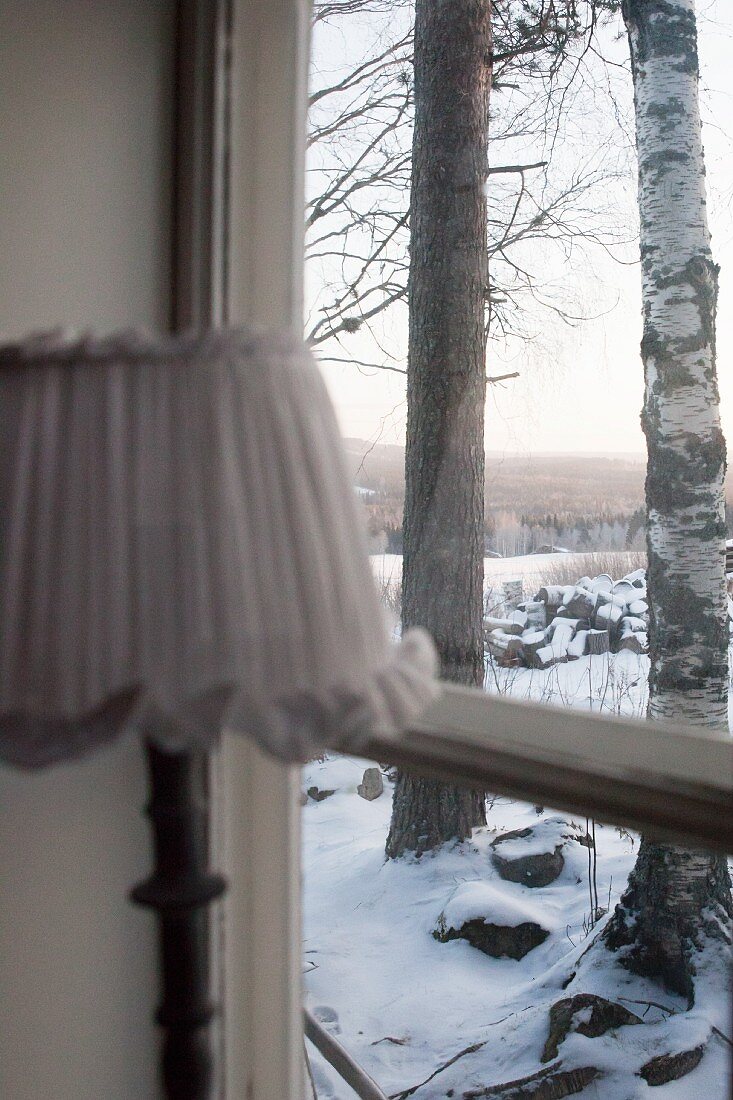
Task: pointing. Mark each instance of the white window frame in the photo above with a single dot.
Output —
(240, 227)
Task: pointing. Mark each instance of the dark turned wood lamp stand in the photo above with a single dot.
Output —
(180, 891)
(182, 887)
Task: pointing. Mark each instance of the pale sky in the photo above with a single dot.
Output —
(581, 389)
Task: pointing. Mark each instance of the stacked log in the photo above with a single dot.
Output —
(536, 613)
(513, 592)
(566, 622)
(608, 617)
(582, 603)
(553, 597)
(636, 643)
(579, 645)
(533, 641)
(508, 626)
(599, 641)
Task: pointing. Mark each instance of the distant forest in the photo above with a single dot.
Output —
(577, 502)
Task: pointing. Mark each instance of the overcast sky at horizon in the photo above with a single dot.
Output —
(580, 389)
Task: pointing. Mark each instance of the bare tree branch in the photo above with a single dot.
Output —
(359, 165)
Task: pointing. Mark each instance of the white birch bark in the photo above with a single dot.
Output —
(685, 494)
(674, 896)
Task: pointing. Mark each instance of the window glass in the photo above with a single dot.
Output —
(519, 951)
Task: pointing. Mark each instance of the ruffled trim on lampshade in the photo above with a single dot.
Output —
(293, 728)
(182, 553)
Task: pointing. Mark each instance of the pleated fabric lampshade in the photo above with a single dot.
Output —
(180, 552)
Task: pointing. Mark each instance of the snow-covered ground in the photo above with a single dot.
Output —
(405, 1004)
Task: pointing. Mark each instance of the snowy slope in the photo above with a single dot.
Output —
(414, 1010)
(404, 1004)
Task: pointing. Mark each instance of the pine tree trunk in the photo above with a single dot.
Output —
(442, 582)
(673, 893)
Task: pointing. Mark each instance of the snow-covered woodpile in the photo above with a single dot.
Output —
(564, 622)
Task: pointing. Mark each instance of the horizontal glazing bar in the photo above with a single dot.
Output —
(673, 783)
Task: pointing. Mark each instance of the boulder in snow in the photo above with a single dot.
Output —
(532, 856)
(493, 922)
(587, 1014)
(318, 795)
(371, 785)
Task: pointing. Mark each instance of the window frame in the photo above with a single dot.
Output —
(239, 230)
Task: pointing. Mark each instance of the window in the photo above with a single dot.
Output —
(365, 919)
(239, 109)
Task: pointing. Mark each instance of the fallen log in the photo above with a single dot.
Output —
(551, 1083)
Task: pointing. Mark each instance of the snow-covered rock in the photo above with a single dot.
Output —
(534, 856)
(586, 1014)
(491, 920)
(534, 869)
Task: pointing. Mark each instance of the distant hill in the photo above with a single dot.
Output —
(585, 502)
(534, 484)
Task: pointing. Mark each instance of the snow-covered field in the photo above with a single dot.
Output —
(405, 1004)
(533, 569)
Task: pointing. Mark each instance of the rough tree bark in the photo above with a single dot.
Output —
(675, 896)
(442, 582)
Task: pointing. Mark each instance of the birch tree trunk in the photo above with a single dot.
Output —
(442, 585)
(675, 896)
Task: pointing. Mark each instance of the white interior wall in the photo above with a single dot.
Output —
(85, 120)
(85, 162)
(77, 960)
(85, 165)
